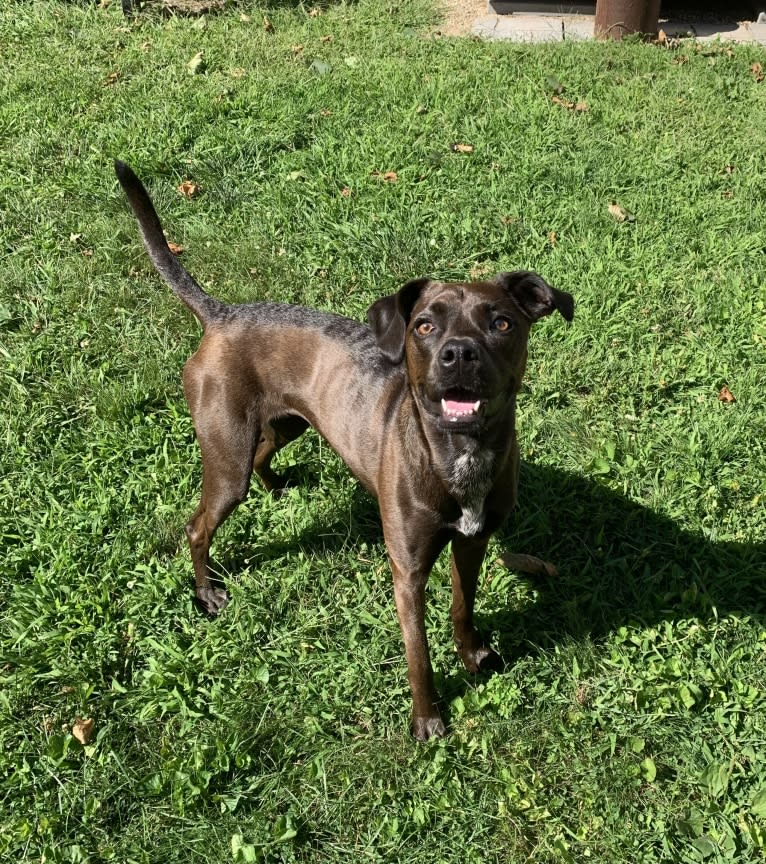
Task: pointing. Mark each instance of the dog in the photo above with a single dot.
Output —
(420, 404)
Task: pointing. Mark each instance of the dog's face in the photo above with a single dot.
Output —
(464, 344)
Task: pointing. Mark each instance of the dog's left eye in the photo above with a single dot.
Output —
(501, 324)
(424, 328)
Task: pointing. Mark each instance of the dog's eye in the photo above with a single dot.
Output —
(501, 324)
(424, 328)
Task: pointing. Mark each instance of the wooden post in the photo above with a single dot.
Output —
(617, 18)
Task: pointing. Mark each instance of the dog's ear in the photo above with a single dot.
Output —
(389, 316)
(534, 296)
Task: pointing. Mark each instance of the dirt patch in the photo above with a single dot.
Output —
(459, 15)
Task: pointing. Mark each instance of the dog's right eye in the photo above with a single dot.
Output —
(424, 328)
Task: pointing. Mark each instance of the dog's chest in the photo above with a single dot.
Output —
(470, 480)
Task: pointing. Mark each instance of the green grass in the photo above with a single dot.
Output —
(629, 725)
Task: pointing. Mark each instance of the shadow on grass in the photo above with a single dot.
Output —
(619, 562)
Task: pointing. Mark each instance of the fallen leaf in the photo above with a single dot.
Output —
(82, 730)
(175, 248)
(112, 78)
(267, 25)
(728, 169)
(345, 191)
(569, 105)
(325, 40)
(662, 37)
(389, 176)
(679, 60)
(325, 112)
(297, 49)
(461, 148)
(245, 19)
(88, 253)
(509, 220)
(315, 12)
(725, 395)
(188, 189)
(75, 238)
(757, 72)
(618, 212)
(727, 193)
(553, 238)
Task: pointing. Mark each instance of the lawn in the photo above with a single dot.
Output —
(336, 152)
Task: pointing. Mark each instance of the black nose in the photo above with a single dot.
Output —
(458, 352)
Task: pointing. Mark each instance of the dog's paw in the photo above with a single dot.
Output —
(482, 659)
(212, 600)
(424, 728)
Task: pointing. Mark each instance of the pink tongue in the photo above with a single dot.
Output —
(458, 407)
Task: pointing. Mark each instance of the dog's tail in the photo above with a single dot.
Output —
(205, 307)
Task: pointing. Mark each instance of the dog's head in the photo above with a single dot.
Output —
(464, 344)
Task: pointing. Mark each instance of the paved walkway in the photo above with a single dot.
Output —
(528, 27)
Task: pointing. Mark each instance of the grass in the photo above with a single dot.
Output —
(630, 721)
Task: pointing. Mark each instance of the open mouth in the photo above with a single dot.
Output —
(458, 406)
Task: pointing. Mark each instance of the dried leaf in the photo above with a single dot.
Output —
(569, 105)
(75, 238)
(315, 12)
(461, 148)
(188, 189)
(268, 27)
(725, 395)
(245, 19)
(345, 191)
(389, 176)
(553, 239)
(112, 78)
(196, 65)
(175, 248)
(297, 49)
(662, 37)
(757, 71)
(325, 40)
(618, 212)
(82, 730)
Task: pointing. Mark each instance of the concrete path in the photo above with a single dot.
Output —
(529, 27)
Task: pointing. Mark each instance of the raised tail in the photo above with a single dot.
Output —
(205, 307)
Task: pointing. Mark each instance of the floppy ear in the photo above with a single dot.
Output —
(534, 296)
(389, 316)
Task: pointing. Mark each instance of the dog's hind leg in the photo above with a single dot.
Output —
(227, 458)
(274, 435)
(227, 425)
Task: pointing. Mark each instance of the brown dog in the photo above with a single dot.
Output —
(420, 405)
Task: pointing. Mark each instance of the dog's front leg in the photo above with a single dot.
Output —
(409, 592)
(467, 557)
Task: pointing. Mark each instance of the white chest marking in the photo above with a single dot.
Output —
(469, 482)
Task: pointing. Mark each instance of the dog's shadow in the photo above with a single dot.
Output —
(619, 562)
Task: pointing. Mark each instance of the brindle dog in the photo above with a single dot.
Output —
(420, 404)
